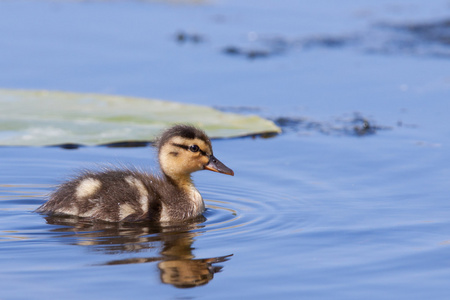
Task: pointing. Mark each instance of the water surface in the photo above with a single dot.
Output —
(323, 211)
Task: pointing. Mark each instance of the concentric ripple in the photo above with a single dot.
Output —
(232, 211)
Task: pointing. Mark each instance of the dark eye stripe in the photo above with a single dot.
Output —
(187, 148)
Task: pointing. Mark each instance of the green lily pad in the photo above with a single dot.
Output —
(40, 118)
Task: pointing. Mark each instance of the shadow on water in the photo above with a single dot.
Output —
(172, 246)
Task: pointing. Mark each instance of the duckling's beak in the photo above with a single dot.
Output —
(217, 166)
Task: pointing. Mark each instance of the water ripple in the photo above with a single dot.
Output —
(250, 212)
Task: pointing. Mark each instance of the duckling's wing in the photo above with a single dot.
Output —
(113, 196)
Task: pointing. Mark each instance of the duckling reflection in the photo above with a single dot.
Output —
(172, 246)
(190, 273)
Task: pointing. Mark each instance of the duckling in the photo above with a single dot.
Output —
(118, 194)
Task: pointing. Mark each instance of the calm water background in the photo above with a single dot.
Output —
(318, 212)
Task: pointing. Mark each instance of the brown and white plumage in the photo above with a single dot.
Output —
(116, 195)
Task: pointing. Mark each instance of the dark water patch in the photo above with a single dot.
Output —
(326, 41)
(424, 39)
(268, 46)
(428, 39)
(285, 44)
(354, 125)
(183, 37)
(261, 46)
(415, 38)
(249, 53)
(438, 31)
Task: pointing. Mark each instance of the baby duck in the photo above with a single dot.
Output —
(115, 195)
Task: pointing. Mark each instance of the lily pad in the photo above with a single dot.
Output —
(40, 118)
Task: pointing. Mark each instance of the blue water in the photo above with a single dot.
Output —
(318, 212)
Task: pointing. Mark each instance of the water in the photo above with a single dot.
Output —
(318, 212)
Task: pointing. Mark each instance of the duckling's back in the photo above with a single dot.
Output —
(110, 195)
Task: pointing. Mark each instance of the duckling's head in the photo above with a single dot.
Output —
(184, 149)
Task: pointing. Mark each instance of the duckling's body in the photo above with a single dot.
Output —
(116, 195)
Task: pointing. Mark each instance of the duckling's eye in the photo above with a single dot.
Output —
(194, 148)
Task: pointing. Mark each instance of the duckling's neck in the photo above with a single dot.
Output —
(184, 183)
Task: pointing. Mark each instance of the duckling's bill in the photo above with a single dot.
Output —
(217, 166)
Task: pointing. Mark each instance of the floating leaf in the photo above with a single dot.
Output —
(39, 118)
